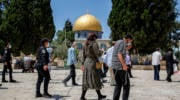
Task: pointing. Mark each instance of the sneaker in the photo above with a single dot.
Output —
(47, 95)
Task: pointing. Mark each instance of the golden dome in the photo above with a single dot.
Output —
(87, 22)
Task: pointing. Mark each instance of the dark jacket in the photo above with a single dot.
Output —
(169, 58)
(42, 56)
(7, 55)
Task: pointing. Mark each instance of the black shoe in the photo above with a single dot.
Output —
(65, 84)
(101, 97)
(0, 84)
(47, 95)
(38, 95)
(83, 98)
(4, 81)
(13, 81)
(169, 80)
(131, 76)
(75, 84)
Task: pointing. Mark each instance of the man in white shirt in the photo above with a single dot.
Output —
(108, 61)
(156, 58)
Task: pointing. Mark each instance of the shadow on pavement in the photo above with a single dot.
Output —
(176, 81)
(58, 97)
(3, 88)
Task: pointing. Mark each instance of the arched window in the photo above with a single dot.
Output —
(79, 46)
(103, 46)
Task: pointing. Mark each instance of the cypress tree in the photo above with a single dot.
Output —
(149, 21)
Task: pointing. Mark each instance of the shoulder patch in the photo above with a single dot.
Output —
(43, 51)
(5, 51)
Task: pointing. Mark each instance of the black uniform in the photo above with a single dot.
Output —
(7, 59)
(42, 60)
(169, 65)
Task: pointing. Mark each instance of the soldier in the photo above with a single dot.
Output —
(42, 68)
(7, 60)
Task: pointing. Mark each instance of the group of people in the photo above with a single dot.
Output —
(117, 58)
(170, 63)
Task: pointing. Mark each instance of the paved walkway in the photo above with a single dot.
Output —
(142, 87)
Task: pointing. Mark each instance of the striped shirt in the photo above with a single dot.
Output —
(119, 47)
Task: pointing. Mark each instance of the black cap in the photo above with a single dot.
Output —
(44, 40)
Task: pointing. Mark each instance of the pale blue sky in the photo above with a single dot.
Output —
(72, 9)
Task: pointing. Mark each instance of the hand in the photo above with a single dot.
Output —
(45, 67)
(5, 63)
(125, 67)
(82, 67)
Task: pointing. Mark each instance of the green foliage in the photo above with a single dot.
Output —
(64, 40)
(60, 51)
(25, 23)
(149, 21)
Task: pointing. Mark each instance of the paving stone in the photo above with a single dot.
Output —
(143, 87)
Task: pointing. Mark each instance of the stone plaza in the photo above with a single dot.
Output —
(143, 87)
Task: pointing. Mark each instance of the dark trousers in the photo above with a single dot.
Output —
(169, 69)
(129, 71)
(156, 72)
(8, 66)
(42, 75)
(122, 80)
(72, 74)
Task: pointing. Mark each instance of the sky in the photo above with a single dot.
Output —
(73, 9)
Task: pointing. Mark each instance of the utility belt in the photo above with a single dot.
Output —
(38, 65)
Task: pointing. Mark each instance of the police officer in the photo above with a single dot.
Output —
(42, 68)
(7, 59)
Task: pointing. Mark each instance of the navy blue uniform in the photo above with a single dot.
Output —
(7, 59)
(42, 60)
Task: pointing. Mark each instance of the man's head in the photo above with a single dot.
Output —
(170, 49)
(73, 44)
(8, 45)
(129, 46)
(45, 42)
(128, 38)
(113, 43)
(157, 49)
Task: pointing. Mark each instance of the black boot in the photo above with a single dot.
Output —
(13, 81)
(47, 95)
(4, 81)
(46, 84)
(83, 95)
(38, 94)
(100, 96)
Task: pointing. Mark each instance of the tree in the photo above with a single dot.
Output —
(26, 22)
(149, 21)
(64, 39)
(66, 34)
(3, 5)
